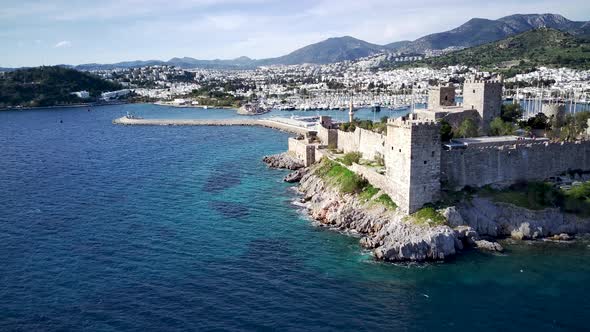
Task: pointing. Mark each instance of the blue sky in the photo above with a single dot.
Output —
(74, 32)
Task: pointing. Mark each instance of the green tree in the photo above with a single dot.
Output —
(511, 112)
(446, 131)
(500, 128)
(468, 128)
(539, 121)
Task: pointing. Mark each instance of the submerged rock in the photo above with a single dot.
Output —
(283, 160)
(488, 245)
(562, 237)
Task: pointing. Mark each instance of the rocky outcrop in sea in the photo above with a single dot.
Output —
(387, 233)
(283, 160)
(295, 176)
(393, 236)
(501, 220)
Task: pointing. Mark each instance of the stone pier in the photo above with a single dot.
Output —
(228, 122)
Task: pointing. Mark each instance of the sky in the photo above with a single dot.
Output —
(51, 32)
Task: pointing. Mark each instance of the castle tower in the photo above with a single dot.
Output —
(485, 97)
(412, 161)
(441, 96)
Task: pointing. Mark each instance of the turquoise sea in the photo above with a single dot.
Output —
(112, 228)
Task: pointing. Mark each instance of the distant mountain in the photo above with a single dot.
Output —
(478, 31)
(125, 64)
(185, 62)
(49, 86)
(538, 47)
(395, 46)
(329, 51)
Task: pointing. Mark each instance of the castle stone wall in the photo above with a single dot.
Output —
(369, 143)
(477, 167)
(377, 180)
(302, 151)
(328, 137)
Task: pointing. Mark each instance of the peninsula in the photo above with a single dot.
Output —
(416, 194)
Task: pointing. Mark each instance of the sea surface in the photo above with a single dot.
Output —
(114, 228)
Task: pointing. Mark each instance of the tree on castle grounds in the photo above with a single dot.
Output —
(498, 127)
(468, 128)
(446, 131)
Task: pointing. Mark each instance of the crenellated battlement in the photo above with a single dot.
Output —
(477, 79)
(411, 121)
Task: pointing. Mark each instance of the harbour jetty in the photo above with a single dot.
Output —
(269, 123)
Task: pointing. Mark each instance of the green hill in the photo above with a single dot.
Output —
(49, 86)
(539, 47)
(328, 51)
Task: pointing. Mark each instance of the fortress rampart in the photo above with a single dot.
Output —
(369, 143)
(479, 166)
(417, 166)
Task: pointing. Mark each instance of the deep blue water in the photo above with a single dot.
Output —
(112, 228)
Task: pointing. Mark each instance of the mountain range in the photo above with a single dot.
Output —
(476, 31)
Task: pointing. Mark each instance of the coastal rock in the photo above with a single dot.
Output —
(497, 219)
(453, 216)
(405, 242)
(386, 232)
(283, 160)
(467, 235)
(295, 176)
(488, 245)
(562, 237)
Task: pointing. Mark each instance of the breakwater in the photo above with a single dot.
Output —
(226, 122)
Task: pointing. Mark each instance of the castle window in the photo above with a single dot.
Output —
(425, 162)
(433, 153)
(473, 90)
(446, 98)
(400, 150)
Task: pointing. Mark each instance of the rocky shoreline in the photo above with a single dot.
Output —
(392, 236)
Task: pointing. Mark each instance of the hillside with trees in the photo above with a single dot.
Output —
(539, 47)
(49, 86)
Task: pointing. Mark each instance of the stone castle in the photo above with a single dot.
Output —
(418, 166)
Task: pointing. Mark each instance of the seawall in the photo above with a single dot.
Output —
(228, 122)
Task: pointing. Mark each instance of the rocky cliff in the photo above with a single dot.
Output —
(387, 233)
(495, 219)
(394, 236)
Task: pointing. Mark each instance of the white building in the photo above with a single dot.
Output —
(114, 94)
(81, 94)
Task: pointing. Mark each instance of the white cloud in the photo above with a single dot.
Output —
(63, 43)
